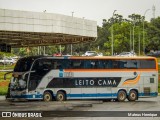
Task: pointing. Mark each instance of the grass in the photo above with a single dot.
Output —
(7, 76)
(3, 90)
(4, 87)
(6, 67)
(4, 83)
(159, 86)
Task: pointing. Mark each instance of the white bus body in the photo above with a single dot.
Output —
(63, 78)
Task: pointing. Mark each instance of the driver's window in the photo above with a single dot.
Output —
(35, 66)
(42, 66)
(36, 77)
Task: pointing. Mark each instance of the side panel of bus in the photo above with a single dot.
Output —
(143, 80)
(150, 84)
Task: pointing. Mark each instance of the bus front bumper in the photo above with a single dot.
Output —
(23, 95)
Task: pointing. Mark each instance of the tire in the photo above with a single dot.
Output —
(121, 96)
(61, 96)
(47, 96)
(132, 95)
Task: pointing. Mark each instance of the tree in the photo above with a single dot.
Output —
(153, 34)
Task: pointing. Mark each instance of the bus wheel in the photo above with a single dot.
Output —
(61, 96)
(121, 96)
(132, 95)
(47, 96)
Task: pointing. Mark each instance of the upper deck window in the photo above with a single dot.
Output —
(148, 64)
(45, 64)
(23, 65)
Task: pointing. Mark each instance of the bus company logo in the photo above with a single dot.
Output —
(132, 81)
(6, 114)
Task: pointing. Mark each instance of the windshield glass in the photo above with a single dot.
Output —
(23, 65)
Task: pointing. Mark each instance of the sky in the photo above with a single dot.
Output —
(96, 10)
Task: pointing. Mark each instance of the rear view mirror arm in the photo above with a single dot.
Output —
(24, 75)
(6, 74)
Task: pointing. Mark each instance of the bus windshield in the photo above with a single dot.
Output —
(23, 65)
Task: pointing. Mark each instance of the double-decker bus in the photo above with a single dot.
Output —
(63, 78)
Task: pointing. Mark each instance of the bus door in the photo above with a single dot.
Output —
(71, 87)
(76, 93)
(102, 90)
(40, 67)
(89, 88)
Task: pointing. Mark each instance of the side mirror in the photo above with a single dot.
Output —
(6, 74)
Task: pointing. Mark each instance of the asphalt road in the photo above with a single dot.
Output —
(82, 109)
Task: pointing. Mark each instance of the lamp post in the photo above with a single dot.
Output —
(139, 42)
(143, 29)
(133, 33)
(130, 39)
(112, 30)
(71, 43)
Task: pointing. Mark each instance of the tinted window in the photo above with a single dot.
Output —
(23, 65)
(101, 64)
(132, 64)
(148, 64)
(42, 66)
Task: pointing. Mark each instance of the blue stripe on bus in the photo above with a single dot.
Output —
(153, 94)
(94, 95)
(28, 96)
(111, 95)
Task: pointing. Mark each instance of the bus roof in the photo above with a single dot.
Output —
(111, 57)
(91, 57)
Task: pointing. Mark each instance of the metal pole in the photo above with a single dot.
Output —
(71, 43)
(28, 51)
(60, 49)
(133, 37)
(112, 40)
(130, 39)
(44, 50)
(139, 42)
(143, 29)
(112, 31)
(4, 61)
(71, 49)
(38, 51)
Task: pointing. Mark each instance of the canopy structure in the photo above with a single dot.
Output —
(24, 28)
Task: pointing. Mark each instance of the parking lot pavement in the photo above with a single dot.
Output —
(86, 109)
(45, 106)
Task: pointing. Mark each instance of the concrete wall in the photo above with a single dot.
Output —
(14, 20)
